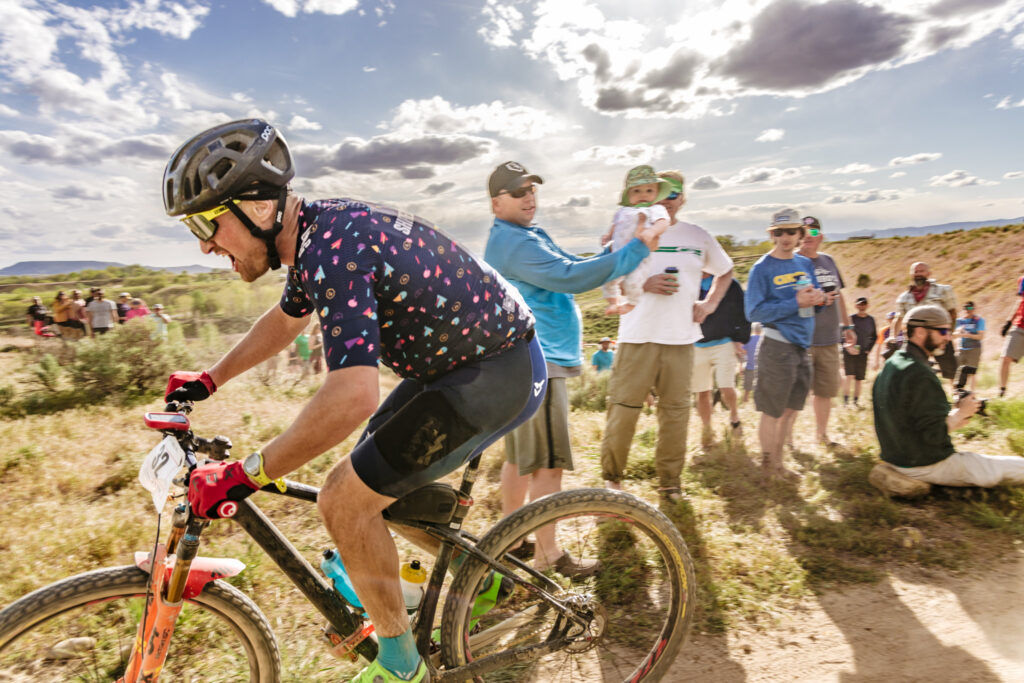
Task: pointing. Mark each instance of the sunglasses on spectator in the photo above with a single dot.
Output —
(779, 232)
(520, 192)
(941, 330)
(672, 195)
(813, 232)
(203, 224)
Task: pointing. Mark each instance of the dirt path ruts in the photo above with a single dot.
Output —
(911, 626)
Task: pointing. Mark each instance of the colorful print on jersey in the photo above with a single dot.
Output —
(387, 285)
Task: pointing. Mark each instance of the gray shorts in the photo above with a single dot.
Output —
(748, 378)
(543, 442)
(1014, 344)
(783, 377)
(969, 357)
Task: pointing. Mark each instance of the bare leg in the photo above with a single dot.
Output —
(822, 410)
(771, 448)
(1004, 371)
(513, 488)
(543, 482)
(729, 399)
(351, 513)
(704, 408)
(856, 389)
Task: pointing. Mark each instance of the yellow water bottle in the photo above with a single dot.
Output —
(414, 579)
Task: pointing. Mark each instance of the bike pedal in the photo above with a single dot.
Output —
(345, 647)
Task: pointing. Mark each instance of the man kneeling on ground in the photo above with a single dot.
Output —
(913, 420)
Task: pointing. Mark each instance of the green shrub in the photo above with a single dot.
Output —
(589, 391)
(863, 280)
(46, 373)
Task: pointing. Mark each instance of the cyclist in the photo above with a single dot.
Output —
(387, 287)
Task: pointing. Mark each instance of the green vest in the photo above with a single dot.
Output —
(910, 410)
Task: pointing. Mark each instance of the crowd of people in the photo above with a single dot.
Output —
(73, 318)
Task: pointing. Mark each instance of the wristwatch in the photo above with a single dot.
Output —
(847, 327)
(253, 466)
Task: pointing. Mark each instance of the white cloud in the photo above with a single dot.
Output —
(8, 111)
(854, 167)
(291, 8)
(683, 146)
(439, 116)
(858, 182)
(959, 178)
(369, 69)
(770, 135)
(1013, 175)
(919, 158)
(1008, 103)
(734, 48)
(898, 174)
(864, 197)
(302, 123)
(768, 176)
(623, 155)
(706, 182)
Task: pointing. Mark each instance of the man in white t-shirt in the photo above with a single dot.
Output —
(101, 313)
(656, 345)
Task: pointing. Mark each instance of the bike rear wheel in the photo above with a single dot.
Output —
(640, 603)
(82, 629)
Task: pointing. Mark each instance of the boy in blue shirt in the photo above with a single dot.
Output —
(782, 294)
(970, 329)
(604, 357)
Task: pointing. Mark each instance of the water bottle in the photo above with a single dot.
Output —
(805, 311)
(413, 578)
(333, 568)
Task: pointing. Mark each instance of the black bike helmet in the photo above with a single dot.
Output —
(245, 159)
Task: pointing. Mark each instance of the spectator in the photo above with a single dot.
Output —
(101, 312)
(924, 290)
(547, 276)
(913, 419)
(62, 315)
(656, 345)
(831, 327)
(316, 350)
(604, 356)
(123, 306)
(750, 354)
(781, 295)
(78, 315)
(887, 344)
(970, 329)
(639, 208)
(37, 316)
(302, 352)
(1013, 330)
(92, 295)
(714, 357)
(855, 356)
(161, 320)
(138, 310)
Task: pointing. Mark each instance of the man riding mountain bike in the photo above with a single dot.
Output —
(386, 287)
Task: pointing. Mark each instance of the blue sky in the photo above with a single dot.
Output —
(865, 114)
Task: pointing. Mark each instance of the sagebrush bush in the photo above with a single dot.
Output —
(589, 391)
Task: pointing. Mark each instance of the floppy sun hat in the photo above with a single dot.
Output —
(645, 175)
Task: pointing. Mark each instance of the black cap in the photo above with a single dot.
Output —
(509, 176)
(811, 222)
(861, 300)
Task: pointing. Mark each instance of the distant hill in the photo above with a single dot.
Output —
(926, 229)
(61, 267)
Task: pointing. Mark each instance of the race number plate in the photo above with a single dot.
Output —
(159, 468)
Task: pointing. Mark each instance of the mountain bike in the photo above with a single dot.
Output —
(174, 614)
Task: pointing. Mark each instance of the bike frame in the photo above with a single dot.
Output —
(157, 626)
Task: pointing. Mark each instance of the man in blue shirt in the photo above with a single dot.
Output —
(547, 276)
(604, 357)
(970, 329)
(781, 295)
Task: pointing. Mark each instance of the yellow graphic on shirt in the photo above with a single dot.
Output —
(784, 279)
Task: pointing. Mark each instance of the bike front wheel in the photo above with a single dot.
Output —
(83, 628)
(638, 604)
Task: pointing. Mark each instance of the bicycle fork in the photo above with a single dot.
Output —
(175, 573)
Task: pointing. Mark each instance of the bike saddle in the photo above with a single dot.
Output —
(434, 503)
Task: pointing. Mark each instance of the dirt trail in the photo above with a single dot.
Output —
(911, 626)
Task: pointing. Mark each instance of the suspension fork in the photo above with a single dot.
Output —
(165, 599)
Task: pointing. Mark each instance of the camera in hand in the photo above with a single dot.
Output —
(960, 381)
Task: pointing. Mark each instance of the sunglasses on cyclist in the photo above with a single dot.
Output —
(203, 224)
(521, 192)
(672, 195)
(779, 232)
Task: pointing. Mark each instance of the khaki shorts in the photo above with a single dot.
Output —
(969, 357)
(1014, 344)
(717, 363)
(542, 442)
(825, 370)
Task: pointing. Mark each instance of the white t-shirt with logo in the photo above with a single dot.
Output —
(668, 319)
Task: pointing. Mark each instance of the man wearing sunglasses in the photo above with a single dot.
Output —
(782, 295)
(547, 276)
(925, 290)
(913, 419)
(387, 288)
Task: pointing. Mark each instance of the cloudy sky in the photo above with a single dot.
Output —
(866, 114)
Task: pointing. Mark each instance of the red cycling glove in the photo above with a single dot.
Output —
(215, 488)
(189, 386)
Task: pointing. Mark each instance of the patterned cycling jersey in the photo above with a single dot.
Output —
(386, 284)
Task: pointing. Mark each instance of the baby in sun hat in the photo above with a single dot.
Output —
(640, 196)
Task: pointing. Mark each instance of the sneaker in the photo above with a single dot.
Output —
(892, 482)
(376, 673)
(571, 567)
(672, 494)
(524, 551)
(737, 428)
(1002, 392)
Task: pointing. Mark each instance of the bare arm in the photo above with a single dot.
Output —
(274, 331)
(848, 335)
(719, 286)
(348, 397)
(965, 408)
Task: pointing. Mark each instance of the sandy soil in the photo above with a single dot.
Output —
(911, 626)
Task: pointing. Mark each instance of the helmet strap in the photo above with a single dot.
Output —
(269, 237)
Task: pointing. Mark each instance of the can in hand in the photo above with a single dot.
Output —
(672, 270)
